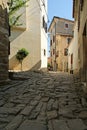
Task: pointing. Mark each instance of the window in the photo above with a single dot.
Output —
(9, 48)
(53, 51)
(81, 4)
(44, 52)
(79, 19)
(43, 3)
(71, 58)
(57, 54)
(44, 25)
(65, 52)
(57, 42)
(43, 21)
(73, 33)
(53, 38)
(66, 25)
(68, 40)
(79, 53)
(50, 42)
(9, 29)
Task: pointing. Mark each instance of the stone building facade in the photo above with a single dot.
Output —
(4, 41)
(80, 15)
(60, 36)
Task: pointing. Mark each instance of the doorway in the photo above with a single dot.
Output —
(85, 53)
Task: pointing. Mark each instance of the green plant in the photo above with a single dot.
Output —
(21, 54)
(48, 65)
(14, 6)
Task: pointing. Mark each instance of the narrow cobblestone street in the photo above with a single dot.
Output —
(42, 101)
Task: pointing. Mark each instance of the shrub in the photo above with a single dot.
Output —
(21, 54)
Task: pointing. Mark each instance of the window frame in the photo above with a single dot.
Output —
(66, 27)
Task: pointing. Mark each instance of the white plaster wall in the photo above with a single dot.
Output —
(33, 39)
(43, 35)
(73, 49)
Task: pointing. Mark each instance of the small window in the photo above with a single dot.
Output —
(44, 52)
(9, 48)
(53, 38)
(9, 29)
(81, 4)
(66, 25)
(43, 3)
(71, 58)
(44, 24)
(50, 42)
(65, 52)
(57, 42)
(45, 27)
(53, 51)
(68, 40)
(57, 54)
(73, 33)
(43, 21)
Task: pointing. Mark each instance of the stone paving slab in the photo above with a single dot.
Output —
(76, 124)
(58, 125)
(52, 114)
(83, 115)
(14, 123)
(44, 101)
(14, 111)
(32, 125)
(27, 110)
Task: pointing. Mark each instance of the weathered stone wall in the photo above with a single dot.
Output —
(4, 41)
(80, 14)
(82, 41)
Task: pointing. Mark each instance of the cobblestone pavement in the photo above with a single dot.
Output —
(42, 101)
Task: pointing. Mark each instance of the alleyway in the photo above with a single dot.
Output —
(42, 101)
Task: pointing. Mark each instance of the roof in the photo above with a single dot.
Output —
(56, 17)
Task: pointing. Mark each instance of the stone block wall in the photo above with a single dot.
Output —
(4, 41)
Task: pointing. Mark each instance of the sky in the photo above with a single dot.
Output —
(60, 8)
